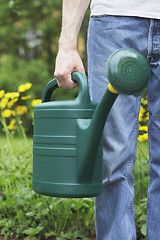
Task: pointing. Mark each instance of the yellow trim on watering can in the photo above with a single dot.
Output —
(111, 89)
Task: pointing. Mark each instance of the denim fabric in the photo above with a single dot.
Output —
(114, 208)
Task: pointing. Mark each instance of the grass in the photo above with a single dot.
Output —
(141, 178)
(17, 142)
(141, 172)
(24, 213)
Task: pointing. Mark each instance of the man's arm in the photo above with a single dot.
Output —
(68, 59)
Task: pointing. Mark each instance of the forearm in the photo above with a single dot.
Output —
(68, 59)
(72, 15)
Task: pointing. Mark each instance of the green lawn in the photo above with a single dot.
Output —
(25, 213)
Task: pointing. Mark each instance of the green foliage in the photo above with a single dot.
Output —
(29, 34)
(141, 172)
(140, 216)
(23, 212)
(30, 28)
(15, 71)
(141, 178)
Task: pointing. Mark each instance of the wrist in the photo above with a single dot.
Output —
(68, 40)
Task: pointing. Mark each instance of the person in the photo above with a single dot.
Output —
(113, 25)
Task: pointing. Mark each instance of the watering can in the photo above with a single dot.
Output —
(67, 144)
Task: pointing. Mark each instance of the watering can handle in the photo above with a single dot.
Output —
(77, 77)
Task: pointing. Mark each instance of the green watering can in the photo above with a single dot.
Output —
(67, 145)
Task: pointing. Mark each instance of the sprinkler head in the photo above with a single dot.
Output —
(128, 71)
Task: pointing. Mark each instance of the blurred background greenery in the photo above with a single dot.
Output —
(29, 34)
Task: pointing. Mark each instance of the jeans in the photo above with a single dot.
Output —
(114, 208)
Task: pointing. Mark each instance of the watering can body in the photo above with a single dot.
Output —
(67, 144)
(57, 144)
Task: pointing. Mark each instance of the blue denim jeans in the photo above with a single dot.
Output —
(114, 208)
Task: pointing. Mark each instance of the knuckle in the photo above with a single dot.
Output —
(61, 74)
(55, 74)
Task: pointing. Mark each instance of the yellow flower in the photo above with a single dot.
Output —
(24, 87)
(3, 103)
(12, 95)
(12, 126)
(140, 117)
(145, 119)
(144, 101)
(10, 103)
(2, 92)
(35, 102)
(26, 97)
(143, 115)
(142, 110)
(21, 110)
(13, 113)
(140, 138)
(143, 128)
(143, 137)
(6, 113)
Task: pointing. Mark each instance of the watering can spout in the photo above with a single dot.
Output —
(92, 130)
(128, 73)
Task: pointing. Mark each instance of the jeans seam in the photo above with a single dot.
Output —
(130, 202)
(149, 139)
(150, 39)
(150, 180)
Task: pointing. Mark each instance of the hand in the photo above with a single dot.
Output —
(67, 61)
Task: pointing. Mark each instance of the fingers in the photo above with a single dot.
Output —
(64, 80)
(66, 63)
